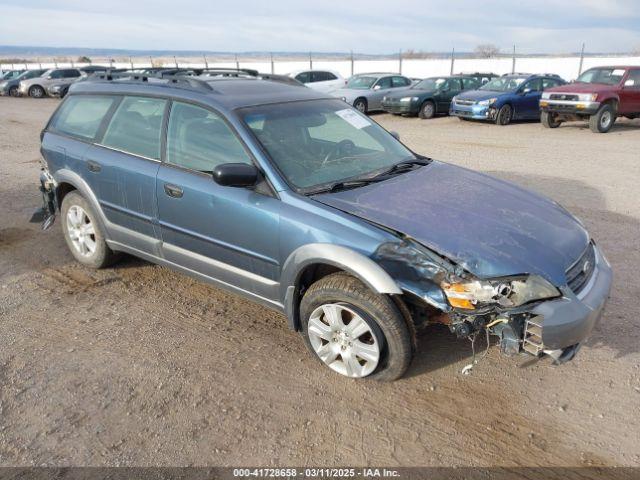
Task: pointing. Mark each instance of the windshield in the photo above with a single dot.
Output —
(317, 143)
(361, 83)
(430, 84)
(608, 76)
(503, 84)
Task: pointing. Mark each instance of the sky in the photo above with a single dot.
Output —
(372, 26)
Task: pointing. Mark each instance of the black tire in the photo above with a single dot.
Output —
(64, 92)
(361, 105)
(36, 91)
(603, 119)
(427, 110)
(14, 91)
(103, 256)
(380, 313)
(549, 120)
(504, 115)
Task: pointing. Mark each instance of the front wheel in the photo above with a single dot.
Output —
(36, 91)
(354, 331)
(549, 120)
(427, 110)
(603, 119)
(504, 116)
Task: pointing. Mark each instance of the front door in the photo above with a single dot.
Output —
(448, 90)
(381, 88)
(528, 105)
(227, 234)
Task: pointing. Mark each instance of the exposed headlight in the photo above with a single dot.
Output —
(587, 97)
(505, 292)
(454, 99)
(546, 95)
(487, 102)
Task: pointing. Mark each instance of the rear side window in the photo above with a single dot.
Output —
(136, 125)
(81, 115)
(633, 80)
(550, 83)
(470, 83)
(322, 76)
(400, 81)
(304, 77)
(199, 139)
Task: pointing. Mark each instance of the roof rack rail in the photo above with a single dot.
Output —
(231, 70)
(248, 72)
(178, 80)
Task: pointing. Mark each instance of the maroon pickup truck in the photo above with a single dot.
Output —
(599, 95)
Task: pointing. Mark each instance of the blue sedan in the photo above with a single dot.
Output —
(506, 98)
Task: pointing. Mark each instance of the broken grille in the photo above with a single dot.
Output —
(580, 272)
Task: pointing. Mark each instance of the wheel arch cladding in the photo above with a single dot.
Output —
(329, 258)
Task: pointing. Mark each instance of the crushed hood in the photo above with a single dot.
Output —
(488, 226)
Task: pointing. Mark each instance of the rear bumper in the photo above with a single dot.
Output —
(566, 322)
(566, 107)
(475, 112)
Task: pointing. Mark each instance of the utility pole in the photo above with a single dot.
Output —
(150, 61)
(513, 60)
(310, 62)
(175, 61)
(352, 63)
(237, 63)
(581, 59)
(453, 55)
(273, 69)
(400, 62)
(206, 64)
(131, 63)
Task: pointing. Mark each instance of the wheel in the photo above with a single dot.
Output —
(603, 119)
(14, 91)
(83, 233)
(427, 110)
(354, 331)
(36, 91)
(549, 120)
(504, 115)
(361, 105)
(64, 92)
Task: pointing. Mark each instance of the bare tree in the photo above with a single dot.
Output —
(487, 50)
(83, 59)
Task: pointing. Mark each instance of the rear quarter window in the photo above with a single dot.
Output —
(81, 115)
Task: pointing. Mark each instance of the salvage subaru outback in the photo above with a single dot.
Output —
(302, 203)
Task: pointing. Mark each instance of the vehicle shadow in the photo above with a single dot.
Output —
(622, 125)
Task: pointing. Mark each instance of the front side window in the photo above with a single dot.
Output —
(400, 81)
(136, 125)
(361, 83)
(199, 139)
(82, 115)
(303, 77)
(608, 76)
(550, 83)
(384, 82)
(317, 143)
(503, 84)
(534, 85)
(57, 74)
(470, 83)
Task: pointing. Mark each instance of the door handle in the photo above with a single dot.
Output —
(94, 166)
(173, 190)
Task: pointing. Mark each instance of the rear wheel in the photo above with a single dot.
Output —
(83, 233)
(504, 116)
(354, 331)
(361, 105)
(549, 120)
(603, 119)
(427, 110)
(36, 91)
(14, 91)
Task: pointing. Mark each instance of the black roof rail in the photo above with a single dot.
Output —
(177, 80)
(229, 71)
(247, 72)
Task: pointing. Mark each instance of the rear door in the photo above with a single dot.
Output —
(225, 233)
(630, 93)
(123, 166)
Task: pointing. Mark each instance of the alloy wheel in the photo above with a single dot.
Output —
(605, 120)
(81, 231)
(343, 340)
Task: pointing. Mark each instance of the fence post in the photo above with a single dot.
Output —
(581, 59)
(55, 62)
(273, 69)
(175, 61)
(400, 62)
(513, 60)
(310, 62)
(72, 65)
(352, 63)
(453, 55)
(150, 61)
(206, 64)
(131, 63)
(237, 63)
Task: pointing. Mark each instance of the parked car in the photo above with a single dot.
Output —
(61, 87)
(320, 80)
(365, 91)
(506, 98)
(11, 87)
(429, 96)
(11, 74)
(37, 87)
(295, 200)
(599, 95)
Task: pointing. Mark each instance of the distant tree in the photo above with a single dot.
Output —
(83, 59)
(636, 51)
(487, 50)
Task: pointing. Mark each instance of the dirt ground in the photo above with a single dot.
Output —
(138, 365)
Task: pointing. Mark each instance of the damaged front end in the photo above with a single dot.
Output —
(46, 215)
(517, 309)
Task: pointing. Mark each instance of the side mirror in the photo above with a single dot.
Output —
(395, 135)
(524, 91)
(49, 77)
(377, 87)
(236, 175)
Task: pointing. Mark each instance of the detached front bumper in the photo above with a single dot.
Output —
(559, 326)
(475, 111)
(569, 107)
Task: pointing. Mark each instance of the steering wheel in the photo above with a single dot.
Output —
(343, 146)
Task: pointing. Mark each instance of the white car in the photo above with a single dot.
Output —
(320, 80)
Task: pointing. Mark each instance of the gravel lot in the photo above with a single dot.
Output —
(137, 365)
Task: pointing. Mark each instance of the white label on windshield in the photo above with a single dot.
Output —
(617, 72)
(353, 118)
